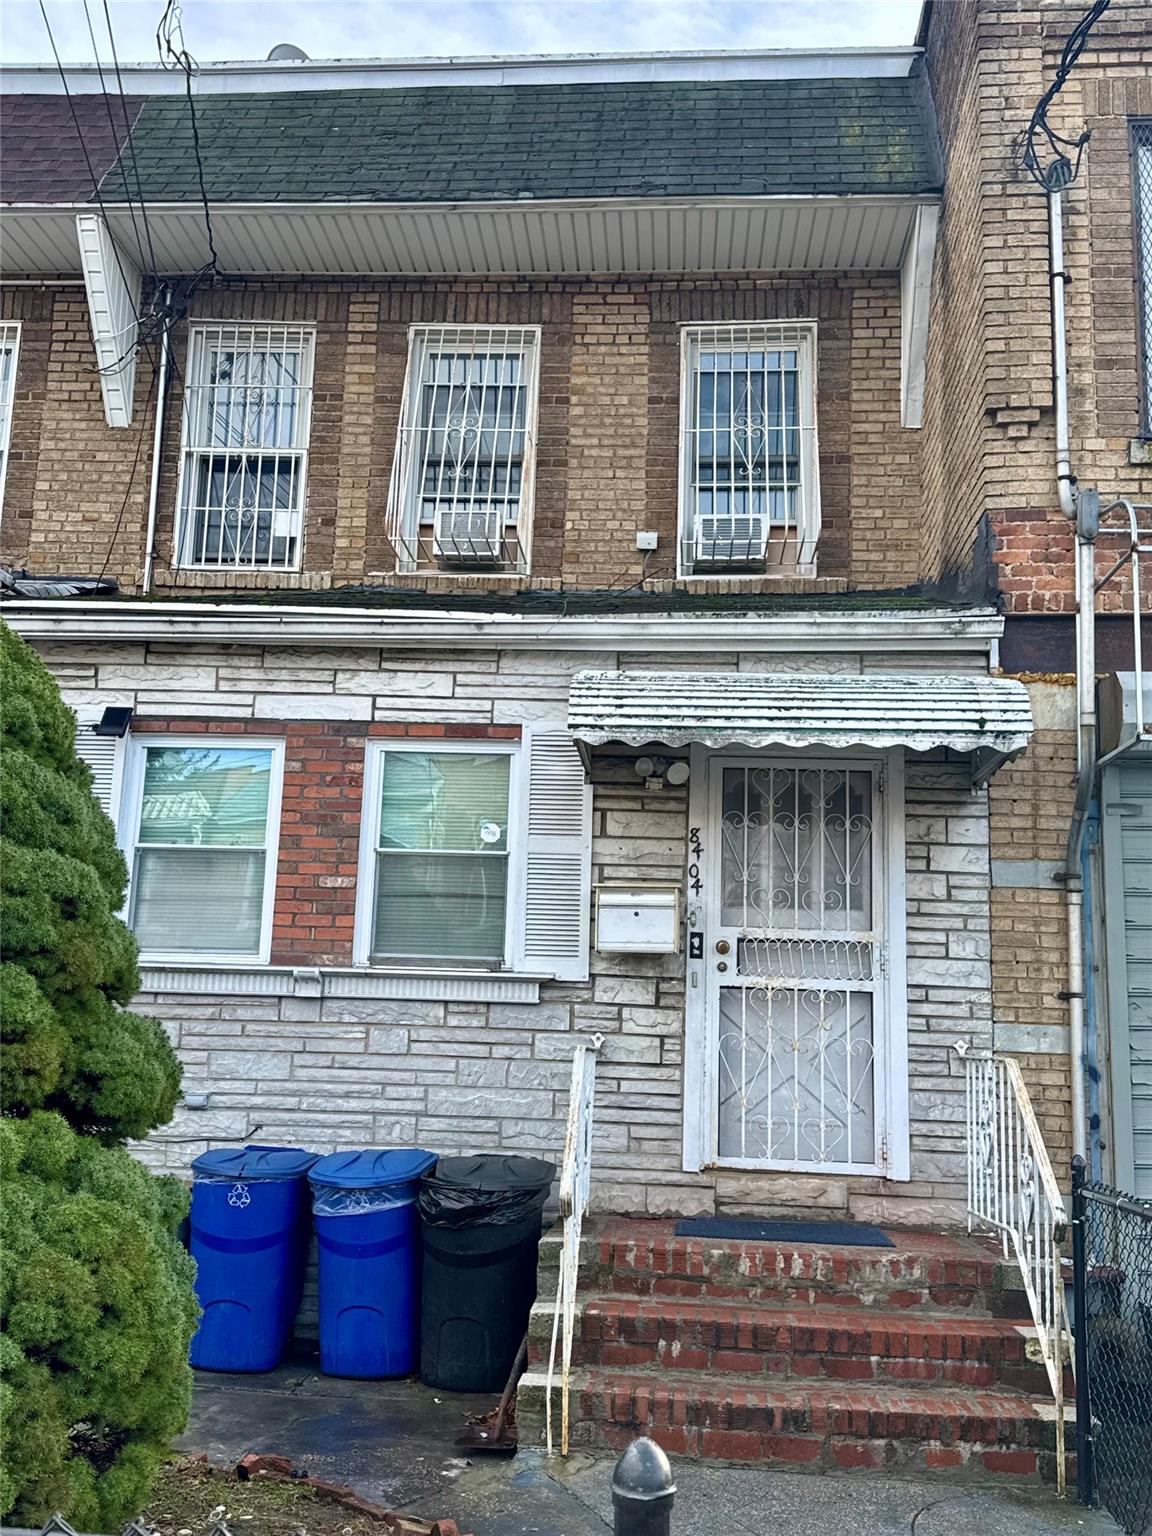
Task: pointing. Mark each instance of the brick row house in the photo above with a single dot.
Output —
(568, 549)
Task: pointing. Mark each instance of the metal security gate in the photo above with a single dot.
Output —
(796, 966)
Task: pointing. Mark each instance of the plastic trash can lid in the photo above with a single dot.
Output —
(490, 1174)
(255, 1162)
(374, 1168)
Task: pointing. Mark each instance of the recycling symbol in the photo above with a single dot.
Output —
(238, 1195)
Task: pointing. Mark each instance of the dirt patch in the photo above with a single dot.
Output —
(191, 1496)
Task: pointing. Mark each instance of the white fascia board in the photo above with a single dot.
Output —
(114, 284)
(915, 300)
(882, 631)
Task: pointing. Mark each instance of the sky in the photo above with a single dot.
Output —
(247, 29)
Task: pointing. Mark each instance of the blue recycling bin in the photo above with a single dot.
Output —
(368, 1237)
(249, 1237)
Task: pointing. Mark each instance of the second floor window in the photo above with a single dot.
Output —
(461, 490)
(749, 493)
(9, 347)
(1142, 178)
(247, 410)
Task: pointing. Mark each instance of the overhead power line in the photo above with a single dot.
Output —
(1063, 167)
(174, 55)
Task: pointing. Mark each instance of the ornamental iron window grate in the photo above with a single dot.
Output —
(749, 479)
(1142, 200)
(247, 414)
(461, 488)
(9, 348)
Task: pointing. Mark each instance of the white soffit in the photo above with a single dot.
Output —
(493, 239)
(915, 298)
(739, 709)
(113, 284)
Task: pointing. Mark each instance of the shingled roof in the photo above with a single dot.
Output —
(828, 137)
(44, 153)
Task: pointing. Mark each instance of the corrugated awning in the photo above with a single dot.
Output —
(919, 711)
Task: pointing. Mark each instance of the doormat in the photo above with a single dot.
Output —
(842, 1234)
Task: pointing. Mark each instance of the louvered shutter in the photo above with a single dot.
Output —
(558, 859)
(103, 754)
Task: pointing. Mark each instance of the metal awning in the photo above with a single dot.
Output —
(919, 711)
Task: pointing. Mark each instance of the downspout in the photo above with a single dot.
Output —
(1085, 573)
(157, 443)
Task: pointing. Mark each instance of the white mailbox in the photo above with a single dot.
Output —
(638, 919)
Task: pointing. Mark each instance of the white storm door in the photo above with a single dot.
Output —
(795, 959)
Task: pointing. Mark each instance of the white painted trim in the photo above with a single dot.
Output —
(397, 984)
(696, 1115)
(896, 981)
(216, 77)
(9, 337)
(880, 631)
(915, 302)
(375, 753)
(114, 285)
(128, 827)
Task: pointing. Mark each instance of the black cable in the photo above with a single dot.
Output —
(131, 478)
(112, 125)
(182, 59)
(1063, 168)
(128, 142)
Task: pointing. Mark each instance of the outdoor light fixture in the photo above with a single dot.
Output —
(114, 721)
(658, 771)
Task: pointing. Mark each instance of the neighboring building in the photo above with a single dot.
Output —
(596, 571)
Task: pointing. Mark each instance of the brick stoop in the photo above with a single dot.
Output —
(909, 1358)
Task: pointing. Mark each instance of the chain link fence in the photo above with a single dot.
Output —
(1112, 1264)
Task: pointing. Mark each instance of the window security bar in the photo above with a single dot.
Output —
(461, 487)
(247, 414)
(749, 482)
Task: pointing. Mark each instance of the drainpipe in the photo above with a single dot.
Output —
(1085, 574)
(157, 442)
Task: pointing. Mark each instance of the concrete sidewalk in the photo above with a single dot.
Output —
(394, 1443)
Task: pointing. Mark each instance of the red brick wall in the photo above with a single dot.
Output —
(316, 874)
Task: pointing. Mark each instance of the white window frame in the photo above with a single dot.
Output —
(367, 867)
(404, 526)
(1140, 160)
(800, 334)
(132, 806)
(201, 335)
(9, 341)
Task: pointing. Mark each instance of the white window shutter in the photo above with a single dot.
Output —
(104, 755)
(558, 855)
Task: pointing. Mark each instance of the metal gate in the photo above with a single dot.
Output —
(796, 966)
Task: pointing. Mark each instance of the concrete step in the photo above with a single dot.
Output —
(940, 1271)
(774, 1339)
(844, 1426)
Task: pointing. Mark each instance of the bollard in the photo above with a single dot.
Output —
(642, 1491)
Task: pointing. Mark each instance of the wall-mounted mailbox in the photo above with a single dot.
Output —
(638, 919)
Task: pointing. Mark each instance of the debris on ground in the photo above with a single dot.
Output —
(265, 1495)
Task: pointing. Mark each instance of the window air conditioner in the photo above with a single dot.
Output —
(728, 540)
(465, 535)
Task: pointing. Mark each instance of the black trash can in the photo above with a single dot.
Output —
(480, 1220)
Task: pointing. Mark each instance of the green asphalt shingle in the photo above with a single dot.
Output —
(440, 144)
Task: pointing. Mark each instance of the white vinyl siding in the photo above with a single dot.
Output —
(749, 492)
(461, 492)
(205, 822)
(105, 758)
(244, 469)
(9, 355)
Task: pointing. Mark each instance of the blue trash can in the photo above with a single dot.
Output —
(249, 1237)
(368, 1235)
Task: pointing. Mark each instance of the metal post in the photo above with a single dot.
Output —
(1085, 1472)
(642, 1491)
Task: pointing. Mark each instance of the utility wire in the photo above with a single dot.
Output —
(131, 477)
(1064, 166)
(168, 33)
(115, 132)
(128, 142)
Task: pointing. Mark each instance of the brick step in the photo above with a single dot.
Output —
(921, 1269)
(845, 1427)
(776, 1340)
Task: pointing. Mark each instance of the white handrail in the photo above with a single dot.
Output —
(1012, 1187)
(575, 1178)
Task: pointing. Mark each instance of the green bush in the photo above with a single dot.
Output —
(96, 1300)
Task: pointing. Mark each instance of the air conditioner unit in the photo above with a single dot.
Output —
(465, 535)
(728, 540)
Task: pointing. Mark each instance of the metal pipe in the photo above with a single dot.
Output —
(643, 1490)
(41, 282)
(1085, 1474)
(157, 443)
(1057, 279)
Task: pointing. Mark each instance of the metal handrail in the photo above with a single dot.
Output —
(1012, 1188)
(1138, 535)
(575, 1179)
